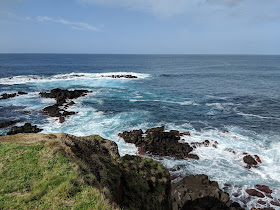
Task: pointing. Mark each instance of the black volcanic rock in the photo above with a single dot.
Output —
(198, 192)
(12, 95)
(57, 110)
(9, 123)
(26, 128)
(250, 161)
(159, 142)
(61, 95)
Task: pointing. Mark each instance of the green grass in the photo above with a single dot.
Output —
(35, 177)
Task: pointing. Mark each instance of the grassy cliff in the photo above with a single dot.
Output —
(61, 171)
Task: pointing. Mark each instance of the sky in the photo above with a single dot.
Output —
(140, 26)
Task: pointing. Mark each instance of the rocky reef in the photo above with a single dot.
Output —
(157, 141)
(129, 182)
(12, 95)
(63, 101)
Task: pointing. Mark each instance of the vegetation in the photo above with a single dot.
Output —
(37, 177)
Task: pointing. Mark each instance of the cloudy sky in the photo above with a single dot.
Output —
(140, 26)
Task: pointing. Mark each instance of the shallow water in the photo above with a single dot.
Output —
(198, 93)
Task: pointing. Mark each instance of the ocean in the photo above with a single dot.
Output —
(207, 95)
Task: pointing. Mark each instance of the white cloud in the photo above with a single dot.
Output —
(74, 25)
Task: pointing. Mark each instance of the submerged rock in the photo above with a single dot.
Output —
(26, 128)
(158, 142)
(198, 192)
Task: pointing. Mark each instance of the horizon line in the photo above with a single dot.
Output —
(136, 53)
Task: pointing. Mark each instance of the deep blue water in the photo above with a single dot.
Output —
(205, 94)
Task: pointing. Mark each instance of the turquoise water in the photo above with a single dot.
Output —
(202, 94)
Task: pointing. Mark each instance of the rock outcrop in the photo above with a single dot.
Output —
(159, 142)
(251, 161)
(9, 123)
(26, 128)
(61, 97)
(198, 192)
(12, 95)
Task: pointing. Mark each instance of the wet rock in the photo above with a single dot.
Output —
(12, 95)
(159, 142)
(254, 192)
(6, 95)
(186, 133)
(192, 156)
(275, 203)
(261, 202)
(9, 123)
(198, 192)
(134, 137)
(61, 119)
(264, 188)
(53, 110)
(250, 161)
(22, 93)
(61, 96)
(155, 129)
(26, 128)
(257, 158)
(236, 195)
(231, 150)
(205, 143)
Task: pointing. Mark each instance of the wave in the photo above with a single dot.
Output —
(254, 115)
(22, 79)
(183, 103)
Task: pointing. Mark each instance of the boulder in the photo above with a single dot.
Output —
(264, 189)
(198, 192)
(26, 128)
(254, 192)
(275, 203)
(250, 161)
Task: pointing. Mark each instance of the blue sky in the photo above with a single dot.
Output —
(140, 26)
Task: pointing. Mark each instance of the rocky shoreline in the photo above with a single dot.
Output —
(132, 182)
(191, 192)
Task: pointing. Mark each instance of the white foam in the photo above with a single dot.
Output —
(226, 167)
(254, 115)
(72, 76)
(184, 103)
